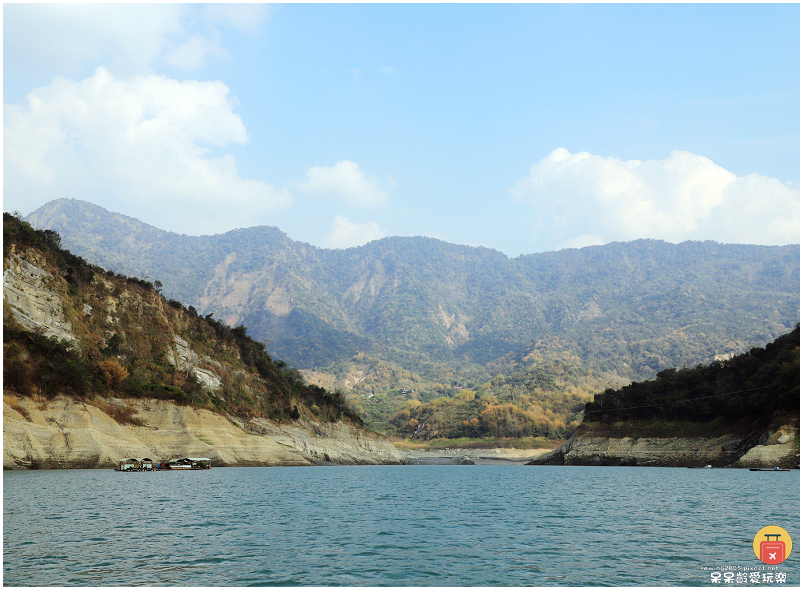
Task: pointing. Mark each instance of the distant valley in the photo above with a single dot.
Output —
(431, 339)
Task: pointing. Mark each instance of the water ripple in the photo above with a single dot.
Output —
(383, 526)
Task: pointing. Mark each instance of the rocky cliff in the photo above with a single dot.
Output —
(68, 433)
(98, 367)
(592, 444)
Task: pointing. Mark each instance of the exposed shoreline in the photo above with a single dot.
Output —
(454, 456)
(771, 447)
(66, 433)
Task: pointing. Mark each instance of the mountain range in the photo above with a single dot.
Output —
(406, 319)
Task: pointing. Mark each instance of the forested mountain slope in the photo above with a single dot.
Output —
(753, 388)
(425, 316)
(742, 412)
(72, 330)
(121, 335)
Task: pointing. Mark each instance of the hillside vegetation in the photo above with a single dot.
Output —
(751, 389)
(402, 321)
(739, 412)
(129, 341)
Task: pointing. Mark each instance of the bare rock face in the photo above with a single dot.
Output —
(65, 433)
(662, 452)
(186, 359)
(335, 443)
(779, 450)
(590, 311)
(35, 304)
(732, 450)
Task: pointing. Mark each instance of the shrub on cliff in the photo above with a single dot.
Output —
(113, 372)
(33, 363)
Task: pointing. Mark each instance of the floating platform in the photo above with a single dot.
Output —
(185, 464)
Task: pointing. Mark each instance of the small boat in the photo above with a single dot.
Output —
(768, 469)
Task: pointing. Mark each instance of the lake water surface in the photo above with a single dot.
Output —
(393, 526)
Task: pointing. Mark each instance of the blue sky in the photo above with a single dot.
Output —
(520, 127)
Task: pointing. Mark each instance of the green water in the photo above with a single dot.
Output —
(391, 526)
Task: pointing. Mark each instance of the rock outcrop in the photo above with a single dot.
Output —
(588, 447)
(776, 449)
(186, 359)
(35, 304)
(67, 433)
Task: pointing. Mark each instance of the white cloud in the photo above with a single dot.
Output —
(61, 37)
(243, 17)
(127, 39)
(139, 141)
(197, 48)
(345, 181)
(682, 197)
(348, 234)
(192, 54)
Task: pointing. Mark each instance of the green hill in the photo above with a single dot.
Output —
(752, 389)
(739, 412)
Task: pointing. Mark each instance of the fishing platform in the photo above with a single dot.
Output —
(146, 464)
